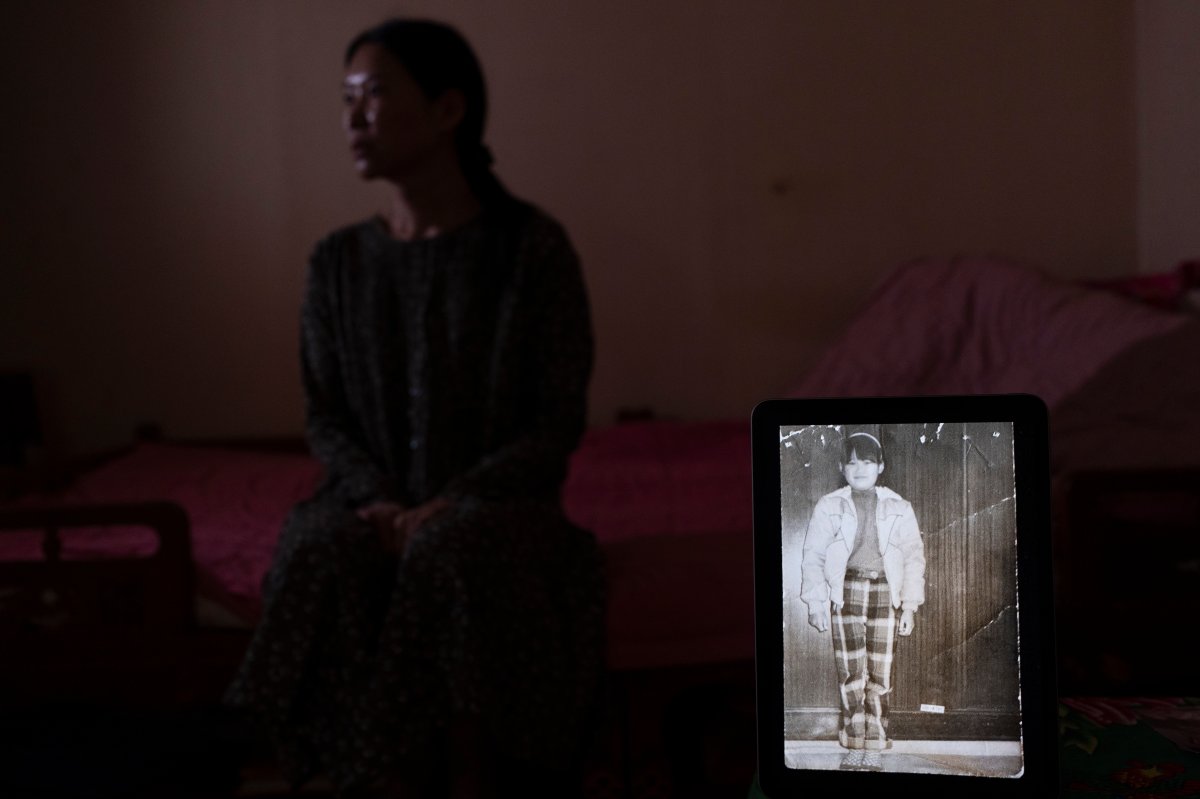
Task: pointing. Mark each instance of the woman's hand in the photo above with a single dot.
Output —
(382, 516)
(907, 622)
(395, 523)
(409, 521)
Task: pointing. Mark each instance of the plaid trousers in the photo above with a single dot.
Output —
(864, 641)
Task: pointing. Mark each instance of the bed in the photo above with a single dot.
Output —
(669, 500)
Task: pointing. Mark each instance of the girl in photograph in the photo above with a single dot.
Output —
(863, 555)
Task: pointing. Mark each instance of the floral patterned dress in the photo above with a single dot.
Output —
(452, 367)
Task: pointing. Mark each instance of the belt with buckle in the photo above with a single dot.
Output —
(865, 574)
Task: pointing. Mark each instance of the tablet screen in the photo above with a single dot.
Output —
(897, 580)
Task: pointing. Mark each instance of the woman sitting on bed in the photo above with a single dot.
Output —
(431, 603)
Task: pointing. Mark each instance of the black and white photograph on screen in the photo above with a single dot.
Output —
(900, 598)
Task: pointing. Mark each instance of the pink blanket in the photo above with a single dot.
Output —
(980, 326)
(669, 503)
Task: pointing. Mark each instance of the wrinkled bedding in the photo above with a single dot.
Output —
(979, 326)
(668, 501)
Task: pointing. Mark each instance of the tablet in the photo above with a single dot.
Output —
(903, 599)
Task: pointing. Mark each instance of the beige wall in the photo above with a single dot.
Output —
(735, 176)
(1168, 113)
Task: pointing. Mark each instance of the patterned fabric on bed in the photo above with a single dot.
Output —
(668, 501)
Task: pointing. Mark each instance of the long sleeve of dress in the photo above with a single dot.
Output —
(534, 461)
(333, 434)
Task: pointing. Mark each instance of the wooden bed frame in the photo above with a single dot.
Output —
(111, 632)
(1128, 563)
(85, 629)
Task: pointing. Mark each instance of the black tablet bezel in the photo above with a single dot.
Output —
(1038, 709)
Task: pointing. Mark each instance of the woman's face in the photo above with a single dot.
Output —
(392, 128)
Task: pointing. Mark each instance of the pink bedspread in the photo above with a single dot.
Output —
(235, 500)
(980, 326)
(669, 502)
(671, 505)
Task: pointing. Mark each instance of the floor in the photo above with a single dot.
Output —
(697, 743)
(686, 734)
(975, 758)
(665, 735)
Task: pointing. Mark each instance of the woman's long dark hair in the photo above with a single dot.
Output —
(439, 58)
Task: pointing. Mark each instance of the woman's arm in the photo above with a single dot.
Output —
(332, 432)
(555, 413)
